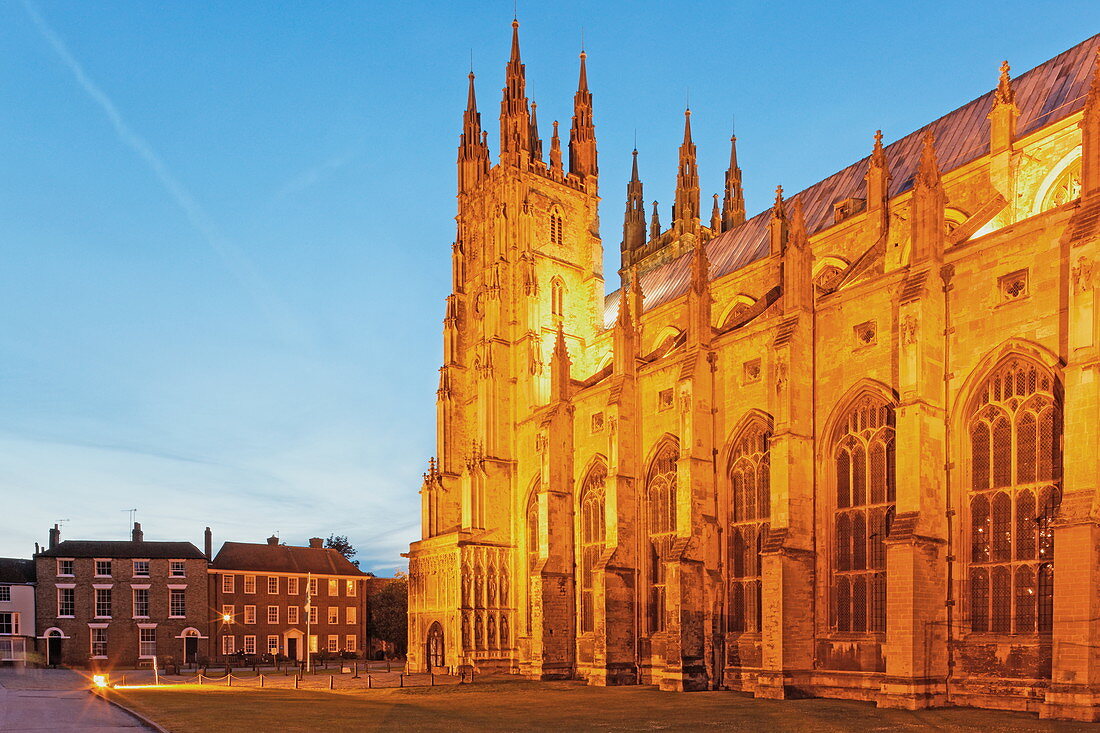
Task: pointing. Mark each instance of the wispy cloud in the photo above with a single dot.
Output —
(235, 261)
(311, 176)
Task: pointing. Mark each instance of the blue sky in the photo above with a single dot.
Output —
(225, 227)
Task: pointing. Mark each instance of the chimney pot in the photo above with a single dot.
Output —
(137, 535)
(208, 543)
(272, 540)
(55, 536)
(316, 543)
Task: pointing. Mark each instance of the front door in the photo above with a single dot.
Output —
(292, 647)
(190, 649)
(435, 646)
(53, 650)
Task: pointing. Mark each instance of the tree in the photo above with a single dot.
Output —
(340, 543)
(389, 612)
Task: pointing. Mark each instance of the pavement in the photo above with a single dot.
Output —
(57, 700)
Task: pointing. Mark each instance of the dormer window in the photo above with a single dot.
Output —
(847, 207)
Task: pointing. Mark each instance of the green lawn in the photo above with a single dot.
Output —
(528, 706)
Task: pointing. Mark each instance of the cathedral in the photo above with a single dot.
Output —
(848, 447)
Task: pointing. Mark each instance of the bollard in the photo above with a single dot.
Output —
(400, 679)
(229, 680)
(123, 680)
(200, 678)
(433, 679)
(368, 681)
(295, 682)
(331, 682)
(261, 680)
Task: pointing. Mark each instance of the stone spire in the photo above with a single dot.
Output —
(715, 217)
(733, 204)
(514, 123)
(559, 368)
(634, 220)
(654, 224)
(533, 134)
(699, 297)
(555, 150)
(473, 153)
(878, 190)
(777, 227)
(625, 343)
(928, 205)
(1090, 135)
(685, 210)
(582, 135)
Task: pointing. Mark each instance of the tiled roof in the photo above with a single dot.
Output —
(247, 556)
(16, 570)
(1051, 91)
(124, 548)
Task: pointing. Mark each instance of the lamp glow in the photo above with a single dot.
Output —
(226, 617)
(99, 680)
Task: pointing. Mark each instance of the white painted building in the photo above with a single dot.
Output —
(17, 634)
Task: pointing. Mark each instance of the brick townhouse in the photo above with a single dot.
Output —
(259, 591)
(121, 603)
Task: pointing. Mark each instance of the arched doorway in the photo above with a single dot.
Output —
(54, 641)
(435, 655)
(190, 645)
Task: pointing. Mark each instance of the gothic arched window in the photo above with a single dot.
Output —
(556, 229)
(592, 539)
(750, 510)
(557, 297)
(661, 525)
(1015, 467)
(863, 461)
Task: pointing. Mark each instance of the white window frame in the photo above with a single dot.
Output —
(333, 643)
(274, 645)
(249, 645)
(13, 620)
(292, 584)
(66, 586)
(351, 643)
(5, 593)
(173, 565)
(135, 589)
(250, 614)
(312, 614)
(230, 611)
(273, 614)
(351, 615)
(134, 566)
(334, 614)
(229, 644)
(333, 587)
(72, 567)
(229, 583)
(93, 631)
(250, 584)
(110, 567)
(350, 588)
(313, 647)
(144, 651)
(292, 615)
(273, 582)
(110, 600)
(182, 591)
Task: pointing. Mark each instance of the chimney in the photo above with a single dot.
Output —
(208, 543)
(316, 543)
(55, 537)
(272, 540)
(136, 534)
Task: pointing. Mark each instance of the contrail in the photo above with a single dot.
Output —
(234, 260)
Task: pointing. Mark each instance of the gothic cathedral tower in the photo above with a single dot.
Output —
(527, 293)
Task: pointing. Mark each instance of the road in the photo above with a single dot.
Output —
(56, 700)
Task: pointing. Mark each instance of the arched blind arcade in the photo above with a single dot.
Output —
(863, 461)
(661, 521)
(1015, 468)
(750, 510)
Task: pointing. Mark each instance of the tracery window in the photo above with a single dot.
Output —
(592, 539)
(1015, 462)
(865, 495)
(661, 518)
(750, 509)
(1065, 188)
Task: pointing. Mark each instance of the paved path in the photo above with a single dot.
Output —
(56, 700)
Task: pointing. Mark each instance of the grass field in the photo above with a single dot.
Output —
(530, 706)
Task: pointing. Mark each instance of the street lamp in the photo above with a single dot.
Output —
(309, 620)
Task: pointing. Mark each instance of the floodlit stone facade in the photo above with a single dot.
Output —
(847, 447)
